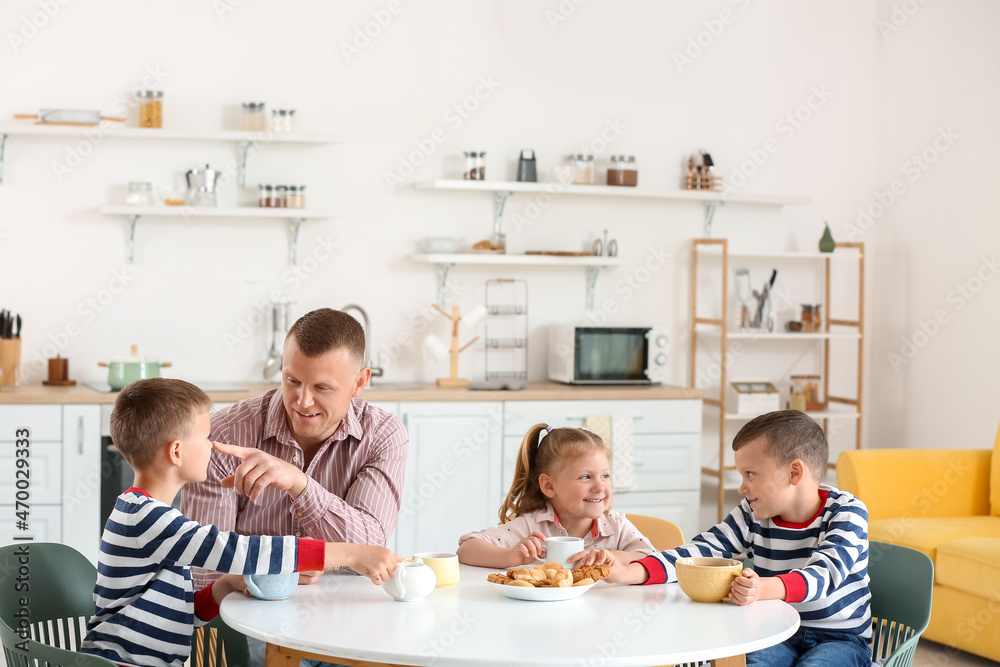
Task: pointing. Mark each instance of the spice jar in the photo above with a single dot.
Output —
(812, 322)
(139, 194)
(475, 166)
(583, 169)
(150, 108)
(280, 195)
(296, 197)
(266, 196)
(283, 120)
(797, 395)
(623, 171)
(253, 117)
(804, 395)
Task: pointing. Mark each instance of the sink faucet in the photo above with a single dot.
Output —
(376, 370)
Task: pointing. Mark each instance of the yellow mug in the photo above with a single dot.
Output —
(445, 566)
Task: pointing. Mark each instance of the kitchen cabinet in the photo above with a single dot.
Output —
(666, 450)
(453, 473)
(716, 330)
(65, 474)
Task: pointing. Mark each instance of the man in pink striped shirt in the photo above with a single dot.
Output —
(311, 458)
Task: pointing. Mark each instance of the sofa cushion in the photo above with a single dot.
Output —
(995, 477)
(927, 535)
(971, 565)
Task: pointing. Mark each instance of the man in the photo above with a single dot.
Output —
(312, 458)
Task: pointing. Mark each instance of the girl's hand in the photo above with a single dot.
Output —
(593, 557)
(745, 589)
(528, 550)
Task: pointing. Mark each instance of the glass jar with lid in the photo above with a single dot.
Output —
(623, 171)
(475, 166)
(253, 119)
(265, 197)
(280, 195)
(283, 120)
(583, 169)
(296, 197)
(150, 108)
(139, 194)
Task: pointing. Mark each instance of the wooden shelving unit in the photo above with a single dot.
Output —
(716, 331)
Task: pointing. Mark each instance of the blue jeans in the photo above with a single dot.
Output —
(815, 648)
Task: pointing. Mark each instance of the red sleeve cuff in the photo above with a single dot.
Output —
(657, 572)
(795, 586)
(204, 604)
(312, 556)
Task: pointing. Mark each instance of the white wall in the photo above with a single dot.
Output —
(557, 84)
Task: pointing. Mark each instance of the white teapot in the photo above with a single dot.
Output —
(412, 581)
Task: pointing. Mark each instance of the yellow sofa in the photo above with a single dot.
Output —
(946, 503)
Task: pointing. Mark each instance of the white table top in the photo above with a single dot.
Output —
(618, 626)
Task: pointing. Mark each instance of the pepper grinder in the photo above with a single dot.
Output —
(526, 172)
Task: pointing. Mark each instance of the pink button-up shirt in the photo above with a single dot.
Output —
(355, 478)
(612, 531)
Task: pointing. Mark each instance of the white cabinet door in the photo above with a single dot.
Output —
(44, 524)
(452, 473)
(82, 477)
(44, 422)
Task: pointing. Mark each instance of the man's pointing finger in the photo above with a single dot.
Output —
(232, 450)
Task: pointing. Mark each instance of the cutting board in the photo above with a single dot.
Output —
(559, 253)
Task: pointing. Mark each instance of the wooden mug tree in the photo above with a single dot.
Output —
(453, 381)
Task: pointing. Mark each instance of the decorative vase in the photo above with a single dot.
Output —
(826, 243)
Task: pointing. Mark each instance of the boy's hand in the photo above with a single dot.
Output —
(226, 584)
(306, 578)
(260, 470)
(376, 563)
(593, 557)
(528, 550)
(627, 573)
(746, 589)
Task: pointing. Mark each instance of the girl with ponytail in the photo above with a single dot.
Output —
(561, 487)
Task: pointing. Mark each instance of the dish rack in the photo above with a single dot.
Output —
(506, 329)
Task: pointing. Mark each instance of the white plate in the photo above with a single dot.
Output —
(541, 594)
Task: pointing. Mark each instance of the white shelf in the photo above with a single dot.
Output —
(514, 259)
(118, 132)
(294, 216)
(732, 335)
(614, 191)
(217, 212)
(821, 414)
(838, 254)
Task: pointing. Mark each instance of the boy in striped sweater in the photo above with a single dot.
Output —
(146, 608)
(808, 541)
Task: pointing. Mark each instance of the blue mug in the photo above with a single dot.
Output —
(271, 586)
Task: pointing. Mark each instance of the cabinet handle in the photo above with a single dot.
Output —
(635, 416)
(79, 434)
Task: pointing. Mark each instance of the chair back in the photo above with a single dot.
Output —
(60, 600)
(901, 582)
(215, 644)
(661, 533)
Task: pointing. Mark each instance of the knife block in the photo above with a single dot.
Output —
(10, 361)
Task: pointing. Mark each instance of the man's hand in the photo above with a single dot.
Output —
(259, 471)
(528, 550)
(746, 589)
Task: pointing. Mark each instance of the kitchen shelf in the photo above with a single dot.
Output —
(710, 198)
(295, 217)
(445, 261)
(838, 408)
(244, 140)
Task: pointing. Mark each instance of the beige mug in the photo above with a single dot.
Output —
(445, 566)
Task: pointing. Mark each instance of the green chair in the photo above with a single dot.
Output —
(901, 584)
(60, 600)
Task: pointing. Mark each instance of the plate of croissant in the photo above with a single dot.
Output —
(548, 582)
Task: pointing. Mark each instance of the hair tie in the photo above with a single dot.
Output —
(584, 428)
(548, 429)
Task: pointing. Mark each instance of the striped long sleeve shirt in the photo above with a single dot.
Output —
(823, 562)
(355, 479)
(145, 606)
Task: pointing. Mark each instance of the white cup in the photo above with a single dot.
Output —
(559, 549)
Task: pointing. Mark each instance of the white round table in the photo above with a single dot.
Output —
(346, 618)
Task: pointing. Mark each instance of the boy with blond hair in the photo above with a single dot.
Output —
(146, 608)
(808, 541)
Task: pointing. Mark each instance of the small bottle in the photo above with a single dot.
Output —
(475, 166)
(265, 194)
(150, 108)
(283, 120)
(296, 197)
(583, 169)
(623, 171)
(253, 119)
(139, 194)
(280, 196)
(291, 124)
